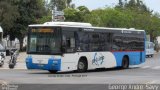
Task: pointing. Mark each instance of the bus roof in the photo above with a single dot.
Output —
(64, 24)
(77, 24)
(1, 30)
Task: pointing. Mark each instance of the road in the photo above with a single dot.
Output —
(147, 73)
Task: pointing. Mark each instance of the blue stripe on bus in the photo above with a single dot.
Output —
(50, 66)
(134, 57)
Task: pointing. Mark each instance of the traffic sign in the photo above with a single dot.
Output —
(59, 13)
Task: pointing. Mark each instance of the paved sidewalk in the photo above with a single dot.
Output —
(20, 62)
(21, 57)
(17, 66)
(155, 52)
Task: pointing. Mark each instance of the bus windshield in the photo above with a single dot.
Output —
(44, 41)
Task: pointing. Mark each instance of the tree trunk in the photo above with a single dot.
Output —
(21, 43)
(151, 36)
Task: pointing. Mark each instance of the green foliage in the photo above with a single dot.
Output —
(71, 14)
(30, 11)
(8, 15)
(16, 15)
(45, 19)
(76, 15)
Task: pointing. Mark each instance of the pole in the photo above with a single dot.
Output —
(52, 15)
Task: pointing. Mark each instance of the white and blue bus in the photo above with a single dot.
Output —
(67, 46)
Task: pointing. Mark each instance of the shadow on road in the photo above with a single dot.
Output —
(88, 71)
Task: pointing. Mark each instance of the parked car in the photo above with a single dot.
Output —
(2, 55)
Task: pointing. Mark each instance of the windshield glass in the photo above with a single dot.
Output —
(44, 41)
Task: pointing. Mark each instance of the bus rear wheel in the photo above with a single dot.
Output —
(125, 63)
(52, 71)
(82, 66)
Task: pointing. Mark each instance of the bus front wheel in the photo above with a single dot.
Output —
(82, 66)
(125, 63)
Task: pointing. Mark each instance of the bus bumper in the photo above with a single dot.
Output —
(53, 64)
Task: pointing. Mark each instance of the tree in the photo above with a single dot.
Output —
(68, 3)
(76, 15)
(30, 11)
(82, 13)
(71, 14)
(8, 15)
(154, 27)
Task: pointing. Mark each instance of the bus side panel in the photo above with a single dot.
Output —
(100, 59)
(94, 59)
(135, 58)
(69, 62)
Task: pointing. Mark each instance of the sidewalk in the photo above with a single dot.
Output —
(155, 52)
(20, 61)
(22, 56)
(20, 66)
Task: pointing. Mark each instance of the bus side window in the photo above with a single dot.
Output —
(72, 43)
(68, 42)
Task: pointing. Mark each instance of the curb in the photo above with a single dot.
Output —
(13, 69)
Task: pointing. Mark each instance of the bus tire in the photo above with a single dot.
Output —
(52, 71)
(125, 62)
(82, 65)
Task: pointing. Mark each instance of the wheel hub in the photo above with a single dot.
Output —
(81, 65)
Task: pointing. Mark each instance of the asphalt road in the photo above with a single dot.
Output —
(147, 73)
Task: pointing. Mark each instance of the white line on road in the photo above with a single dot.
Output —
(152, 82)
(144, 67)
(156, 67)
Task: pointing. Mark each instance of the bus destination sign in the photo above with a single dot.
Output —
(43, 30)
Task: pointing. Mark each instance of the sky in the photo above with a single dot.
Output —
(94, 4)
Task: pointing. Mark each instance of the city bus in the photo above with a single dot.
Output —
(73, 46)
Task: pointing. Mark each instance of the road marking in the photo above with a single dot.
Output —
(152, 82)
(144, 67)
(156, 67)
